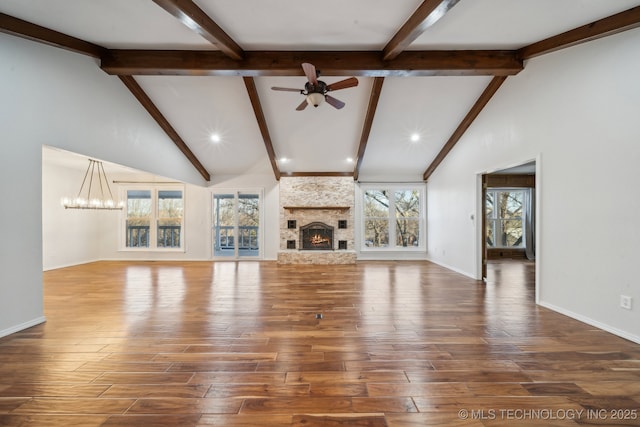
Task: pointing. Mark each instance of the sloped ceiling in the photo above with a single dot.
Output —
(422, 79)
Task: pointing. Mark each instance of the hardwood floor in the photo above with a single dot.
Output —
(242, 344)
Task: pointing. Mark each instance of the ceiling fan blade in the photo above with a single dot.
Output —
(310, 72)
(303, 105)
(343, 84)
(334, 102)
(286, 89)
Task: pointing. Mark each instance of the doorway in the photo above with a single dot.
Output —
(508, 217)
(236, 224)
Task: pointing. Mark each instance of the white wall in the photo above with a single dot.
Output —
(21, 303)
(198, 222)
(196, 226)
(576, 112)
(72, 237)
(69, 236)
(53, 97)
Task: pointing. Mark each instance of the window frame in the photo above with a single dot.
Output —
(497, 220)
(155, 190)
(392, 188)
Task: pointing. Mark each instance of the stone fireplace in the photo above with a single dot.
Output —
(316, 220)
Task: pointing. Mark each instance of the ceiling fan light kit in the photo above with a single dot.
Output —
(315, 91)
(314, 99)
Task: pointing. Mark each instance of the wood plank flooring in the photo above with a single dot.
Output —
(241, 344)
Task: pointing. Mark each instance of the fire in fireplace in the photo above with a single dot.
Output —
(316, 236)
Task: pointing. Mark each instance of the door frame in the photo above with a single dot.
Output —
(236, 191)
(481, 246)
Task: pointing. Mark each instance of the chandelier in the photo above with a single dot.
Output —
(95, 192)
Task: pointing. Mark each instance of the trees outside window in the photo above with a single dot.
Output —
(154, 218)
(392, 218)
(170, 213)
(407, 218)
(504, 209)
(376, 221)
(236, 224)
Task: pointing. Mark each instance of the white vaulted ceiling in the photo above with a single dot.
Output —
(315, 140)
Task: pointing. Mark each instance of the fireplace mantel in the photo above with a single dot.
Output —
(317, 208)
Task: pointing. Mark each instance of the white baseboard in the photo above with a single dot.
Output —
(55, 267)
(391, 256)
(608, 328)
(22, 326)
(457, 270)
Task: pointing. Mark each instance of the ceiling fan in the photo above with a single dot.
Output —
(316, 90)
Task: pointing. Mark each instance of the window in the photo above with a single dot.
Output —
(154, 218)
(392, 218)
(504, 209)
(170, 211)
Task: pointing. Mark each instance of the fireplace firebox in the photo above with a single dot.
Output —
(316, 236)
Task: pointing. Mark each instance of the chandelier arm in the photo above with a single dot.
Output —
(100, 178)
(93, 168)
(84, 180)
(106, 181)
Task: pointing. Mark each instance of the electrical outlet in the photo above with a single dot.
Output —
(625, 302)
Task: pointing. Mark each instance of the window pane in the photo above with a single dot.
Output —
(376, 204)
(407, 232)
(170, 211)
(489, 203)
(376, 222)
(509, 209)
(491, 234)
(511, 233)
(223, 222)
(138, 218)
(376, 233)
(248, 224)
(407, 204)
(511, 203)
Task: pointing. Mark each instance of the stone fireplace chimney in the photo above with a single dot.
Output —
(317, 220)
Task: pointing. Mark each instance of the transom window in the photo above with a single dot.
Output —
(154, 218)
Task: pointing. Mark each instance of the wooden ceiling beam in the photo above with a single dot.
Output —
(376, 90)
(146, 102)
(427, 14)
(483, 100)
(262, 123)
(331, 63)
(187, 12)
(613, 24)
(317, 174)
(623, 21)
(27, 30)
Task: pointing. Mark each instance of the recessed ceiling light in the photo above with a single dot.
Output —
(215, 137)
(350, 159)
(415, 137)
(284, 160)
